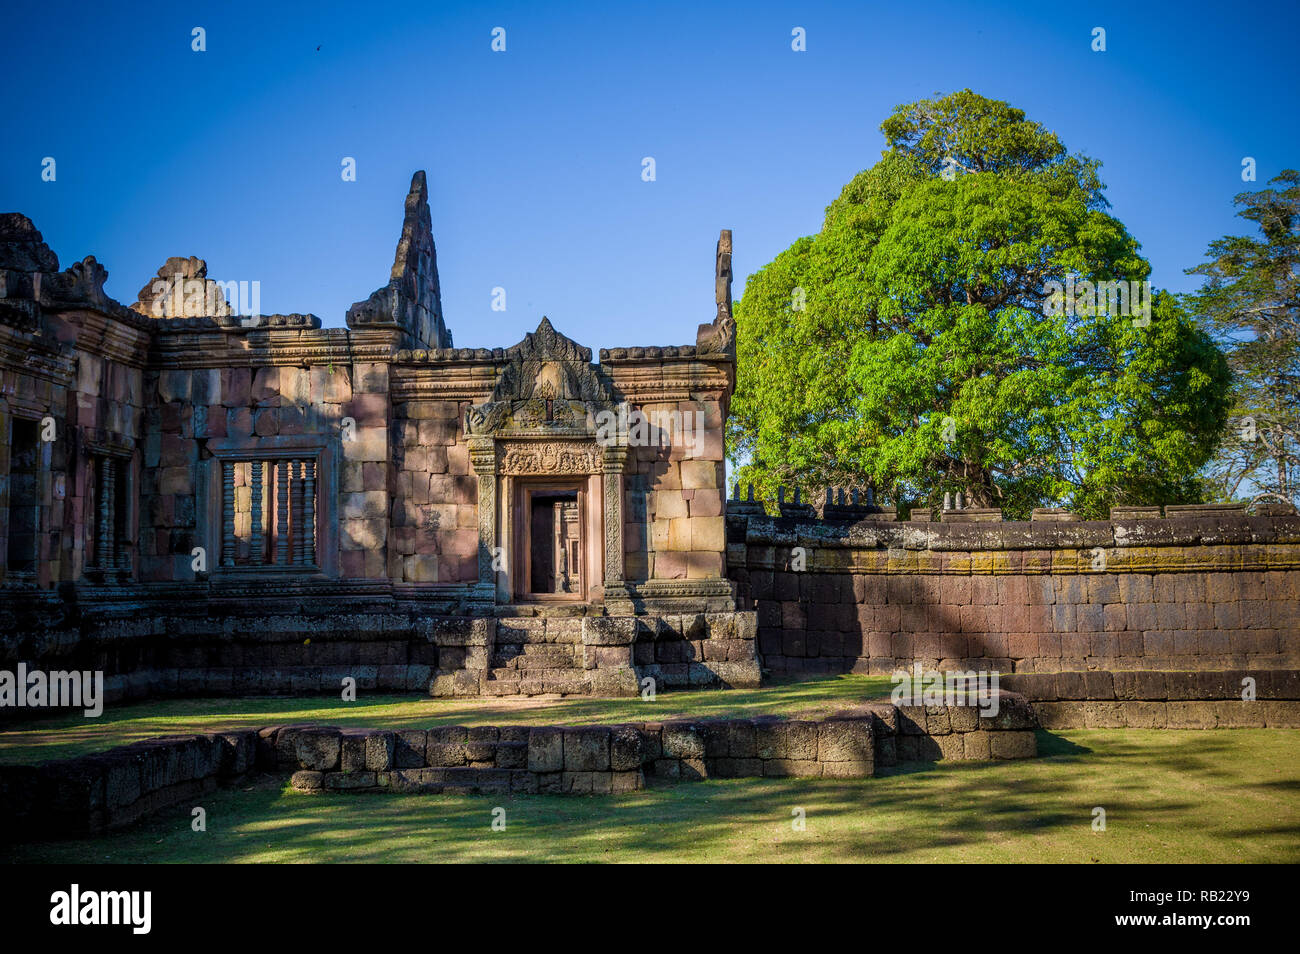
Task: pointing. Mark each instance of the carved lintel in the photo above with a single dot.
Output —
(523, 458)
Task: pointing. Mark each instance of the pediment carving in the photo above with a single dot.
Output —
(549, 387)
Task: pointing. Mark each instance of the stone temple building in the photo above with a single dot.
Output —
(172, 465)
(196, 499)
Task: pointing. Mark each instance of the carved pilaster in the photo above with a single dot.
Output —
(483, 458)
(614, 460)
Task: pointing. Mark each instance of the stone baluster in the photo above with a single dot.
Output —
(105, 515)
(296, 472)
(123, 544)
(257, 555)
(282, 512)
(227, 513)
(309, 512)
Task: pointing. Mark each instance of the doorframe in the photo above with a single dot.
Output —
(524, 489)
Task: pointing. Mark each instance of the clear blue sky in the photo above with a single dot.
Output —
(534, 155)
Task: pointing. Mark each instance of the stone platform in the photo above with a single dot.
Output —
(117, 788)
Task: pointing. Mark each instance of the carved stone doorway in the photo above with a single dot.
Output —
(550, 540)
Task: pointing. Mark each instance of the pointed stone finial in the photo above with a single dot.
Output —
(751, 493)
(412, 299)
(722, 273)
(719, 335)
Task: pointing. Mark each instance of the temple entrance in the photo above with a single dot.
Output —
(550, 541)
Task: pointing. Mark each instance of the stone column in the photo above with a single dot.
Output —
(309, 512)
(614, 460)
(297, 472)
(101, 539)
(506, 539)
(483, 458)
(227, 513)
(123, 545)
(255, 480)
(282, 512)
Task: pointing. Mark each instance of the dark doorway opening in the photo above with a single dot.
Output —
(554, 543)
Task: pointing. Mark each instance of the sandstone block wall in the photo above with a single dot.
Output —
(1201, 593)
(113, 789)
(310, 648)
(1237, 699)
(88, 794)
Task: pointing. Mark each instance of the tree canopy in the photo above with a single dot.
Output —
(1251, 303)
(911, 345)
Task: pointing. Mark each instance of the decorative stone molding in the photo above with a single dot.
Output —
(522, 458)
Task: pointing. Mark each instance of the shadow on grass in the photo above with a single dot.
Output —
(1162, 799)
(65, 736)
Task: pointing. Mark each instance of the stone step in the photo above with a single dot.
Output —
(510, 682)
(520, 631)
(537, 657)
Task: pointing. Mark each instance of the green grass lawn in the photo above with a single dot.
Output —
(23, 743)
(63, 737)
(1229, 795)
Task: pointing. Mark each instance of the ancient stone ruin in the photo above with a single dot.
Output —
(195, 499)
(199, 499)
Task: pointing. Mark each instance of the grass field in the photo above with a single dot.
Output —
(23, 743)
(1169, 796)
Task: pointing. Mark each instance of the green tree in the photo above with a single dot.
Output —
(1251, 303)
(907, 345)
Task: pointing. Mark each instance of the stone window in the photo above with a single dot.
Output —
(270, 506)
(268, 512)
(110, 494)
(24, 499)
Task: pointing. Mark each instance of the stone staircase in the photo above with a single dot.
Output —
(539, 655)
(556, 654)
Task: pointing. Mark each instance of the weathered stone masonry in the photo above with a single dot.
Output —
(196, 501)
(239, 503)
(1197, 588)
(115, 788)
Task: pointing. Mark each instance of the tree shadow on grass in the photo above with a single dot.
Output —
(918, 811)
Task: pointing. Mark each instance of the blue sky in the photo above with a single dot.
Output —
(534, 155)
